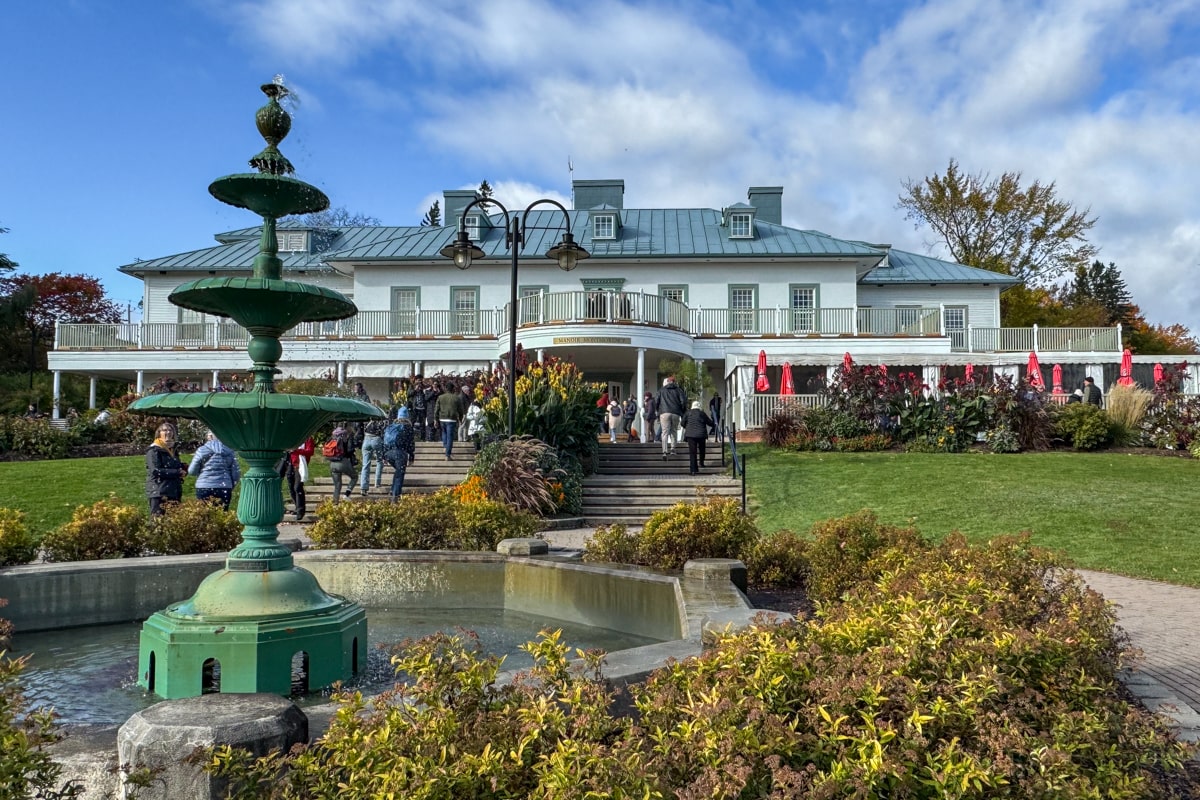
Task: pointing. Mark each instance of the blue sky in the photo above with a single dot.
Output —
(119, 113)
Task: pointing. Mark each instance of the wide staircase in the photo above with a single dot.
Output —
(429, 472)
(631, 482)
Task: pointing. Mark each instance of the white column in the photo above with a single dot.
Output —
(141, 381)
(341, 373)
(91, 391)
(419, 368)
(216, 380)
(541, 355)
(54, 413)
(641, 391)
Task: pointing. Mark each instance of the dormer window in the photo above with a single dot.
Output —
(604, 226)
(741, 225)
(472, 226)
(292, 241)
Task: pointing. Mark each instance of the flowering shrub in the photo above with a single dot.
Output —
(471, 490)
(17, 543)
(1084, 425)
(554, 404)
(779, 560)
(850, 549)
(529, 474)
(1173, 420)
(33, 437)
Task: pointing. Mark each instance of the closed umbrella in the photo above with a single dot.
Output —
(1158, 374)
(1057, 373)
(762, 384)
(969, 372)
(1126, 378)
(788, 387)
(847, 362)
(1034, 373)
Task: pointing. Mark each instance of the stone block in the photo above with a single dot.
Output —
(523, 547)
(162, 737)
(728, 570)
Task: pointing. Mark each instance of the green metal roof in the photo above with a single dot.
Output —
(904, 267)
(642, 233)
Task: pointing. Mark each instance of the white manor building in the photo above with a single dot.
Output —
(719, 286)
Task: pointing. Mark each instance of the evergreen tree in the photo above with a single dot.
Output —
(485, 190)
(1103, 286)
(433, 217)
(6, 263)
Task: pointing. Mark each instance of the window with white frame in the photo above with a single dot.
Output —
(740, 225)
(403, 317)
(956, 325)
(472, 225)
(464, 302)
(292, 241)
(803, 303)
(742, 302)
(604, 226)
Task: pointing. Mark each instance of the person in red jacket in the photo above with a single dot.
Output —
(291, 472)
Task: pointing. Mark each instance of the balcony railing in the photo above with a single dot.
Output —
(616, 308)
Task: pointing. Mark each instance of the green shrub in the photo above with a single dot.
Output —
(435, 521)
(1002, 439)
(193, 526)
(612, 544)
(712, 528)
(850, 549)
(778, 561)
(27, 735)
(33, 437)
(1084, 425)
(105, 529)
(17, 543)
(483, 524)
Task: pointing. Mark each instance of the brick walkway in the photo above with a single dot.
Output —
(1163, 621)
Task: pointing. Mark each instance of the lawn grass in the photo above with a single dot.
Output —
(1122, 513)
(1129, 514)
(49, 491)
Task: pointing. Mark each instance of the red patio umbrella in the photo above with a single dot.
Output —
(788, 387)
(969, 372)
(762, 384)
(1034, 373)
(1057, 373)
(847, 362)
(1158, 374)
(1126, 378)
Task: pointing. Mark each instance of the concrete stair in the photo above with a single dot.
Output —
(632, 481)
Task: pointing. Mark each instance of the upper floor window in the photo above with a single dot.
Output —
(292, 241)
(740, 225)
(472, 225)
(604, 226)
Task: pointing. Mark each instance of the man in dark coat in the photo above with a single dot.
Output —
(1091, 392)
(696, 425)
(672, 402)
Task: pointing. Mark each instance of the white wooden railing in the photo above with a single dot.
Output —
(617, 308)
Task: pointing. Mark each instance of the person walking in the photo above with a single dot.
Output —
(216, 469)
(714, 412)
(649, 419)
(614, 421)
(474, 426)
(629, 411)
(696, 425)
(1091, 392)
(672, 402)
(399, 450)
(450, 411)
(339, 451)
(164, 470)
(416, 406)
(372, 451)
(432, 391)
(296, 474)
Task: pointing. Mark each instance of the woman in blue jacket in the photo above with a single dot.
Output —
(216, 469)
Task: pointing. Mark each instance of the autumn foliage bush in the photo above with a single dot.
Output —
(954, 672)
(17, 543)
(105, 529)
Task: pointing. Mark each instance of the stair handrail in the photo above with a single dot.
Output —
(732, 449)
(743, 471)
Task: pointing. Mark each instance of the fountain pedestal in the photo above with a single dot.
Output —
(261, 624)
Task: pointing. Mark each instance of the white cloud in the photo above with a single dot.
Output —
(685, 103)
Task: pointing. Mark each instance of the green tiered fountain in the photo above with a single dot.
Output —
(261, 624)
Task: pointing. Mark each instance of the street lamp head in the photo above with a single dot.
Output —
(463, 251)
(567, 253)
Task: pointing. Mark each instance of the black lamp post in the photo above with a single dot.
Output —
(463, 251)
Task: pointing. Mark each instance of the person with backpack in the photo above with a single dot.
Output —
(614, 421)
(399, 449)
(628, 414)
(339, 452)
(372, 450)
(474, 423)
(295, 473)
(416, 408)
(649, 418)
